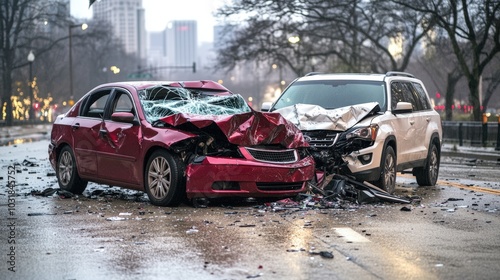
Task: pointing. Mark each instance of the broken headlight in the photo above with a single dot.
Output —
(368, 133)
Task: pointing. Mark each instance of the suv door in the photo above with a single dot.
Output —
(119, 157)
(423, 118)
(408, 128)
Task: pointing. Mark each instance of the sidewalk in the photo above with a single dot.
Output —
(483, 153)
(11, 134)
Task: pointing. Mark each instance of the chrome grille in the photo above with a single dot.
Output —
(321, 139)
(273, 156)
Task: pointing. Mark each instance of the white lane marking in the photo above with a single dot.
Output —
(350, 235)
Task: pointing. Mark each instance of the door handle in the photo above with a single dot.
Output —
(412, 122)
(103, 133)
(75, 126)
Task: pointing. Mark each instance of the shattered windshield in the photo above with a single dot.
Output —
(162, 101)
(333, 94)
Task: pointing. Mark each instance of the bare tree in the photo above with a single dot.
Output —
(97, 52)
(42, 26)
(22, 24)
(473, 28)
(345, 36)
(441, 66)
(491, 78)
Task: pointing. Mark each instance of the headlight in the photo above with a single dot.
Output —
(368, 133)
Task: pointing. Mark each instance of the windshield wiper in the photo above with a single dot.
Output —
(158, 123)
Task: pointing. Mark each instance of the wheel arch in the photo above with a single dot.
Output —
(178, 194)
(391, 141)
(57, 151)
(147, 156)
(435, 140)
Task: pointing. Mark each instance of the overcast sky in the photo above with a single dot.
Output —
(160, 12)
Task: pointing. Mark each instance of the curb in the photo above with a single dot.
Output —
(481, 156)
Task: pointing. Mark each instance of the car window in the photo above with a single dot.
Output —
(422, 96)
(123, 103)
(332, 94)
(404, 92)
(93, 106)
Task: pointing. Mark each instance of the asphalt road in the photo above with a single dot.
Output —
(450, 231)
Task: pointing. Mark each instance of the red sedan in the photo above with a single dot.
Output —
(177, 140)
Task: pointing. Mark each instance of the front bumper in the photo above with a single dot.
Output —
(219, 177)
(365, 170)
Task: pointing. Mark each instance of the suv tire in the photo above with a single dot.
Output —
(427, 175)
(387, 180)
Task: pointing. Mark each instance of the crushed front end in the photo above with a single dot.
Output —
(233, 151)
(338, 138)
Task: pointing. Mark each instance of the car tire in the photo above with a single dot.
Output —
(387, 180)
(164, 180)
(67, 173)
(428, 174)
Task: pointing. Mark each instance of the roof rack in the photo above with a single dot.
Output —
(312, 74)
(396, 73)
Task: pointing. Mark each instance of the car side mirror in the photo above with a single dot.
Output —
(403, 107)
(266, 106)
(125, 117)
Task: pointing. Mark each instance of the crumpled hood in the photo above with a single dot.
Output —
(246, 129)
(314, 117)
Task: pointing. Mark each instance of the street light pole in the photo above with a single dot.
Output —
(31, 58)
(83, 26)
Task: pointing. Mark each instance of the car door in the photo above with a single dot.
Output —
(85, 131)
(405, 127)
(423, 117)
(118, 158)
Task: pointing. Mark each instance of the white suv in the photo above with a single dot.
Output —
(366, 125)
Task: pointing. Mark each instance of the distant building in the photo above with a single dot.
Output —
(181, 42)
(157, 51)
(223, 34)
(128, 21)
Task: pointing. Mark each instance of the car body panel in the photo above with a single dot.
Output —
(248, 175)
(85, 138)
(120, 150)
(247, 129)
(314, 117)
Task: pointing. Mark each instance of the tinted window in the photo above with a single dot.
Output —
(123, 103)
(332, 94)
(93, 106)
(404, 92)
(422, 96)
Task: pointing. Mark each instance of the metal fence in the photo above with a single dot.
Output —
(471, 133)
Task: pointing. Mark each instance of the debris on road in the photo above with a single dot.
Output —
(51, 191)
(324, 254)
(40, 214)
(340, 192)
(115, 219)
(29, 163)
